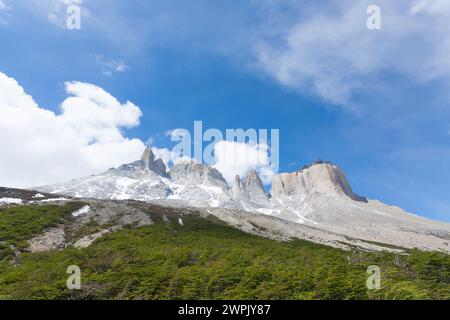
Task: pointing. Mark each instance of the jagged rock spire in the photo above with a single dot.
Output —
(250, 189)
(149, 162)
(253, 186)
(238, 189)
(252, 180)
(148, 157)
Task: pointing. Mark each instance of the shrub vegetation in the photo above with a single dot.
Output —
(206, 259)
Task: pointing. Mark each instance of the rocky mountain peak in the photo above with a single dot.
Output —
(238, 189)
(253, 189)
(197, 173)
(214, 177)
(148, 157)
(317, 195)
(252, 180)
(149, 163)
(320, 177)
(187, 171)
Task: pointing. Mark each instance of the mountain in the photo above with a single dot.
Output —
(315, 203)
(320, 177)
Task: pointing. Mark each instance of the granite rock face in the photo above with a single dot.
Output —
(250, 191)
(149, 162)
(318, 196)
(238, 189)
(324, 178)
(197, 174)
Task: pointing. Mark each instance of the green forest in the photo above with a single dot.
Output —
(202, 259)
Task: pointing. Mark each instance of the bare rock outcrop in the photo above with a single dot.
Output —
(51, 239)
(149, 163)
(318, 195)
(197, 174)
(323, 178)
(254, 188)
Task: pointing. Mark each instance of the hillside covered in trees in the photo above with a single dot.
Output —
(202, 258)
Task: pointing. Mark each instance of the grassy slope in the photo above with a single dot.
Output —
(17, 224)
(205, 259)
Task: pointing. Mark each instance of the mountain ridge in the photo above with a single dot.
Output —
(318, 195)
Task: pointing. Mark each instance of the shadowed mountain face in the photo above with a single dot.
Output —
(149, 162)
(318, 196)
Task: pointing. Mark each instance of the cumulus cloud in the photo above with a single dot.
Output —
(42, 147)
(231, 158)
(237, 158)
(333, 55)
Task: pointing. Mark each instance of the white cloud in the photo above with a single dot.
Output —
(169, 157)
(431, 6)
(332, 53)
(3, 5)
(55, 11)
(111, 66)
(3, 13)
(41, 147)
(232, 158)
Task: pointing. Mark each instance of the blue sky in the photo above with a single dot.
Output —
(374, 102)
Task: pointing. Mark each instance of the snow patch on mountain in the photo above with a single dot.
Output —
(318, 195)
(85, 209)
(10, 201)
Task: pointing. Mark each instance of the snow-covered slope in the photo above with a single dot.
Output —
(146, 180)
(318, 196)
